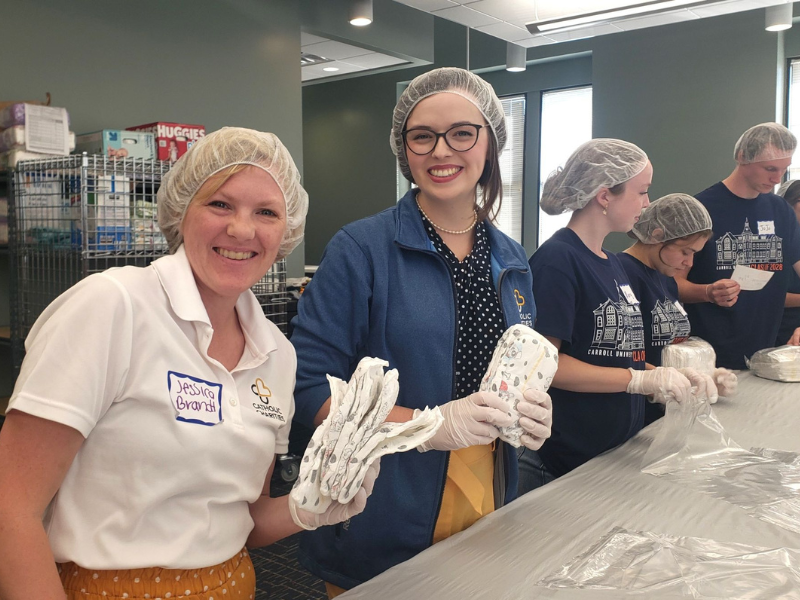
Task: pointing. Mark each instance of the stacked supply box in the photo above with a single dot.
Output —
(172, 139)
(117, 143)
(49, 206)
(109, 212)
(31, 131)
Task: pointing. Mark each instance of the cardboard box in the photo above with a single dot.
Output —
(172, 139)
(117, 143)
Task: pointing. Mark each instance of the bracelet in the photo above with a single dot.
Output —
(709, 297)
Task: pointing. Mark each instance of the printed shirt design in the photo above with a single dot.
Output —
(618, 326)
(668, 323)
(748, 248)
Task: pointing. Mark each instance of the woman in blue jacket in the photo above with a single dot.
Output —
(429, 285)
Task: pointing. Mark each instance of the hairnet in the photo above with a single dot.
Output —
(768, 141)
(790, 191)
(596, 164)
(455, 81)
(671, 217)
(221, 149)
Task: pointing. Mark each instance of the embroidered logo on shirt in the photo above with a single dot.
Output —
(618, 327)
(194, 399)
(261, 390)
(519, 297)
(760, 251)
(264, 408)
(524, 317)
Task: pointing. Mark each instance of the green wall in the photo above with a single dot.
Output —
(683, 92)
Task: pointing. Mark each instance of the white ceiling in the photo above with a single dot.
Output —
(344, 57)
(506, 19)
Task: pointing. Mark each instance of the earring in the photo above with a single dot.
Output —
(605, 212)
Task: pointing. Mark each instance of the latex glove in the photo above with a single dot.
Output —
(726, 381)
(469, 421)
(724, 292)
(663, 383)
(704, 385)
(337, 512)
(536, 418)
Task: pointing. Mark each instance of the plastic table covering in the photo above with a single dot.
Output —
(506, 553)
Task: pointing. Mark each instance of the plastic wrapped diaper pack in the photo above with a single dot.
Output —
(781, 363)
(522, 359)
(355, 434)
(695, 353)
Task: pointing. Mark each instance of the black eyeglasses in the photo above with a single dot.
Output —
(422, 141)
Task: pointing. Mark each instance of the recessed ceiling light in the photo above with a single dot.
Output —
(330, 69)
(360, 12)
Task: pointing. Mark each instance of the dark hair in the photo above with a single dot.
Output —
(792, 193)
(617, 189)
(491, 183)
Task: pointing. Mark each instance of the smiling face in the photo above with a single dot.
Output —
(232, 236)
(762, 177)
(624, 208)
(677, 256)
(445, 175)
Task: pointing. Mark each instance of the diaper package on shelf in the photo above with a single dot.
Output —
(694, 352)
(354, 435)
(13, 138)
(781, 363)
(522, 359)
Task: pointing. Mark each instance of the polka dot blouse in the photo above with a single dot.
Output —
(479, 316)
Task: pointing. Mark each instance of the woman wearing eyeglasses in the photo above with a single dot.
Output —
(428, 285)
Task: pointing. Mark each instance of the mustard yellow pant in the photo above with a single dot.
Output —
(234, 579)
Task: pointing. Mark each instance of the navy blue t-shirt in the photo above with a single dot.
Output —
(665, 320)
(791, 316)
(586, 302)
(762, 233)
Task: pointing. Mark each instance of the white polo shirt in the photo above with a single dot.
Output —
(176, 445)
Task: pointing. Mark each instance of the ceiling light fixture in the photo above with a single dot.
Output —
(360, 12)
(515, 57)
(779, 17)
(330, 69)
(603, 16)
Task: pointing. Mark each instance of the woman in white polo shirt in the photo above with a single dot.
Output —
(152, 401)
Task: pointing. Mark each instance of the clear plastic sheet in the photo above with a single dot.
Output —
(781, 363)
(694, 352)
(647, 563)
(692, 449)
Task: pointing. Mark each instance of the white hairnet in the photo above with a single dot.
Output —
(596, 164)
(455, 81)
(768, 141)
(671, 217)
(790, 191)
(221, 149)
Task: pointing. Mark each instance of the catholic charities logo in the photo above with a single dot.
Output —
(263, 407)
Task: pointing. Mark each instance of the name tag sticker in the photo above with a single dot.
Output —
(766, 227)
(195, 400)
(680, 308)
(628, 293)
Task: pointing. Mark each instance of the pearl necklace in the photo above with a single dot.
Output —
(450, 231)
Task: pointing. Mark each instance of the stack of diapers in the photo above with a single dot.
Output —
(781, 363)
(695, 353)
(522, 359)
(13, 138)
(354, 435)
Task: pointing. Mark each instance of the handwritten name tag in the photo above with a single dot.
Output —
(628, 293)
(194, 399)
(766, 227)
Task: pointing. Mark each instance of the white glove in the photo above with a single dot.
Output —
(536, 418)
(726, 381)
(337, 512)
(703, 384)
(470, 421)
(664, 383)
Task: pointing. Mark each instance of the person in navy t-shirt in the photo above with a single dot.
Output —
(668, 234)
(790, 191)
(754, 228)
(587, 309)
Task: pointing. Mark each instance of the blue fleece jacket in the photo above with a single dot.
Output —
(382, 290)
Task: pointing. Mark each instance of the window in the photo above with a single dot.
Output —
(509, 219)
(793, 109)
(566, 124)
